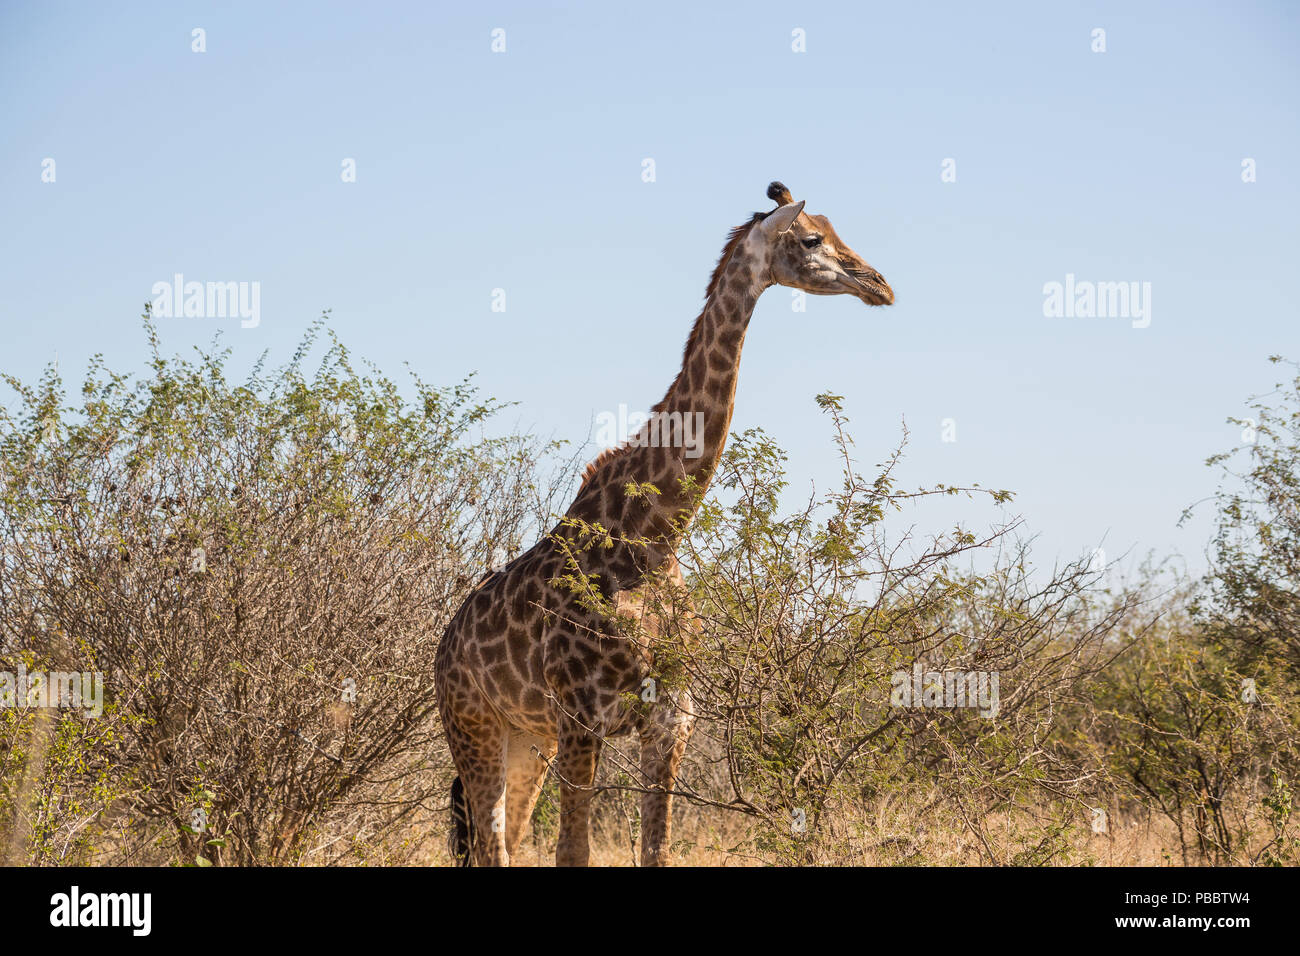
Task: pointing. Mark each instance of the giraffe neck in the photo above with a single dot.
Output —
(687, 431)
(704, 391)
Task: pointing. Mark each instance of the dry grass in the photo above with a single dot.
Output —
(894, 837)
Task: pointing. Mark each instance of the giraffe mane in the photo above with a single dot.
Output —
(734, 239)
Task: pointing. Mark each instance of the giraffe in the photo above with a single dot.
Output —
(528, 676)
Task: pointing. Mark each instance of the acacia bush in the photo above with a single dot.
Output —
(807, 615)
(261, 572)
(1202, 724)
(1252, 602)
(1119, 703)
(1187, 736)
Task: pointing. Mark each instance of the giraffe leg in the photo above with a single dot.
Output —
(579, 753)
(479, 752)
(527, 760)
(663, 741)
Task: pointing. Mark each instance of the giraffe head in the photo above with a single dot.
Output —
(802, 251)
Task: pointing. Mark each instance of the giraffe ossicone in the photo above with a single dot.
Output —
(533, 674)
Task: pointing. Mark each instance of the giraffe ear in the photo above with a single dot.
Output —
(779, 220)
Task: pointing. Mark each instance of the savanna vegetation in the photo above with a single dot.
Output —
(261, 571)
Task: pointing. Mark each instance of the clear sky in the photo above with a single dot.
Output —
(523, 171)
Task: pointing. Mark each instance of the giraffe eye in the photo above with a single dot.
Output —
(812, 242)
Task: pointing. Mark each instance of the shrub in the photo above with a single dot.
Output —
(261, 571)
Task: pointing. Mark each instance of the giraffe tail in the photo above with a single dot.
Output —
(461, 840)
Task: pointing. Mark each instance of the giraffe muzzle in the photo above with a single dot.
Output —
(869, 286)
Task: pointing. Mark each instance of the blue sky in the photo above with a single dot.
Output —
(522, 171)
